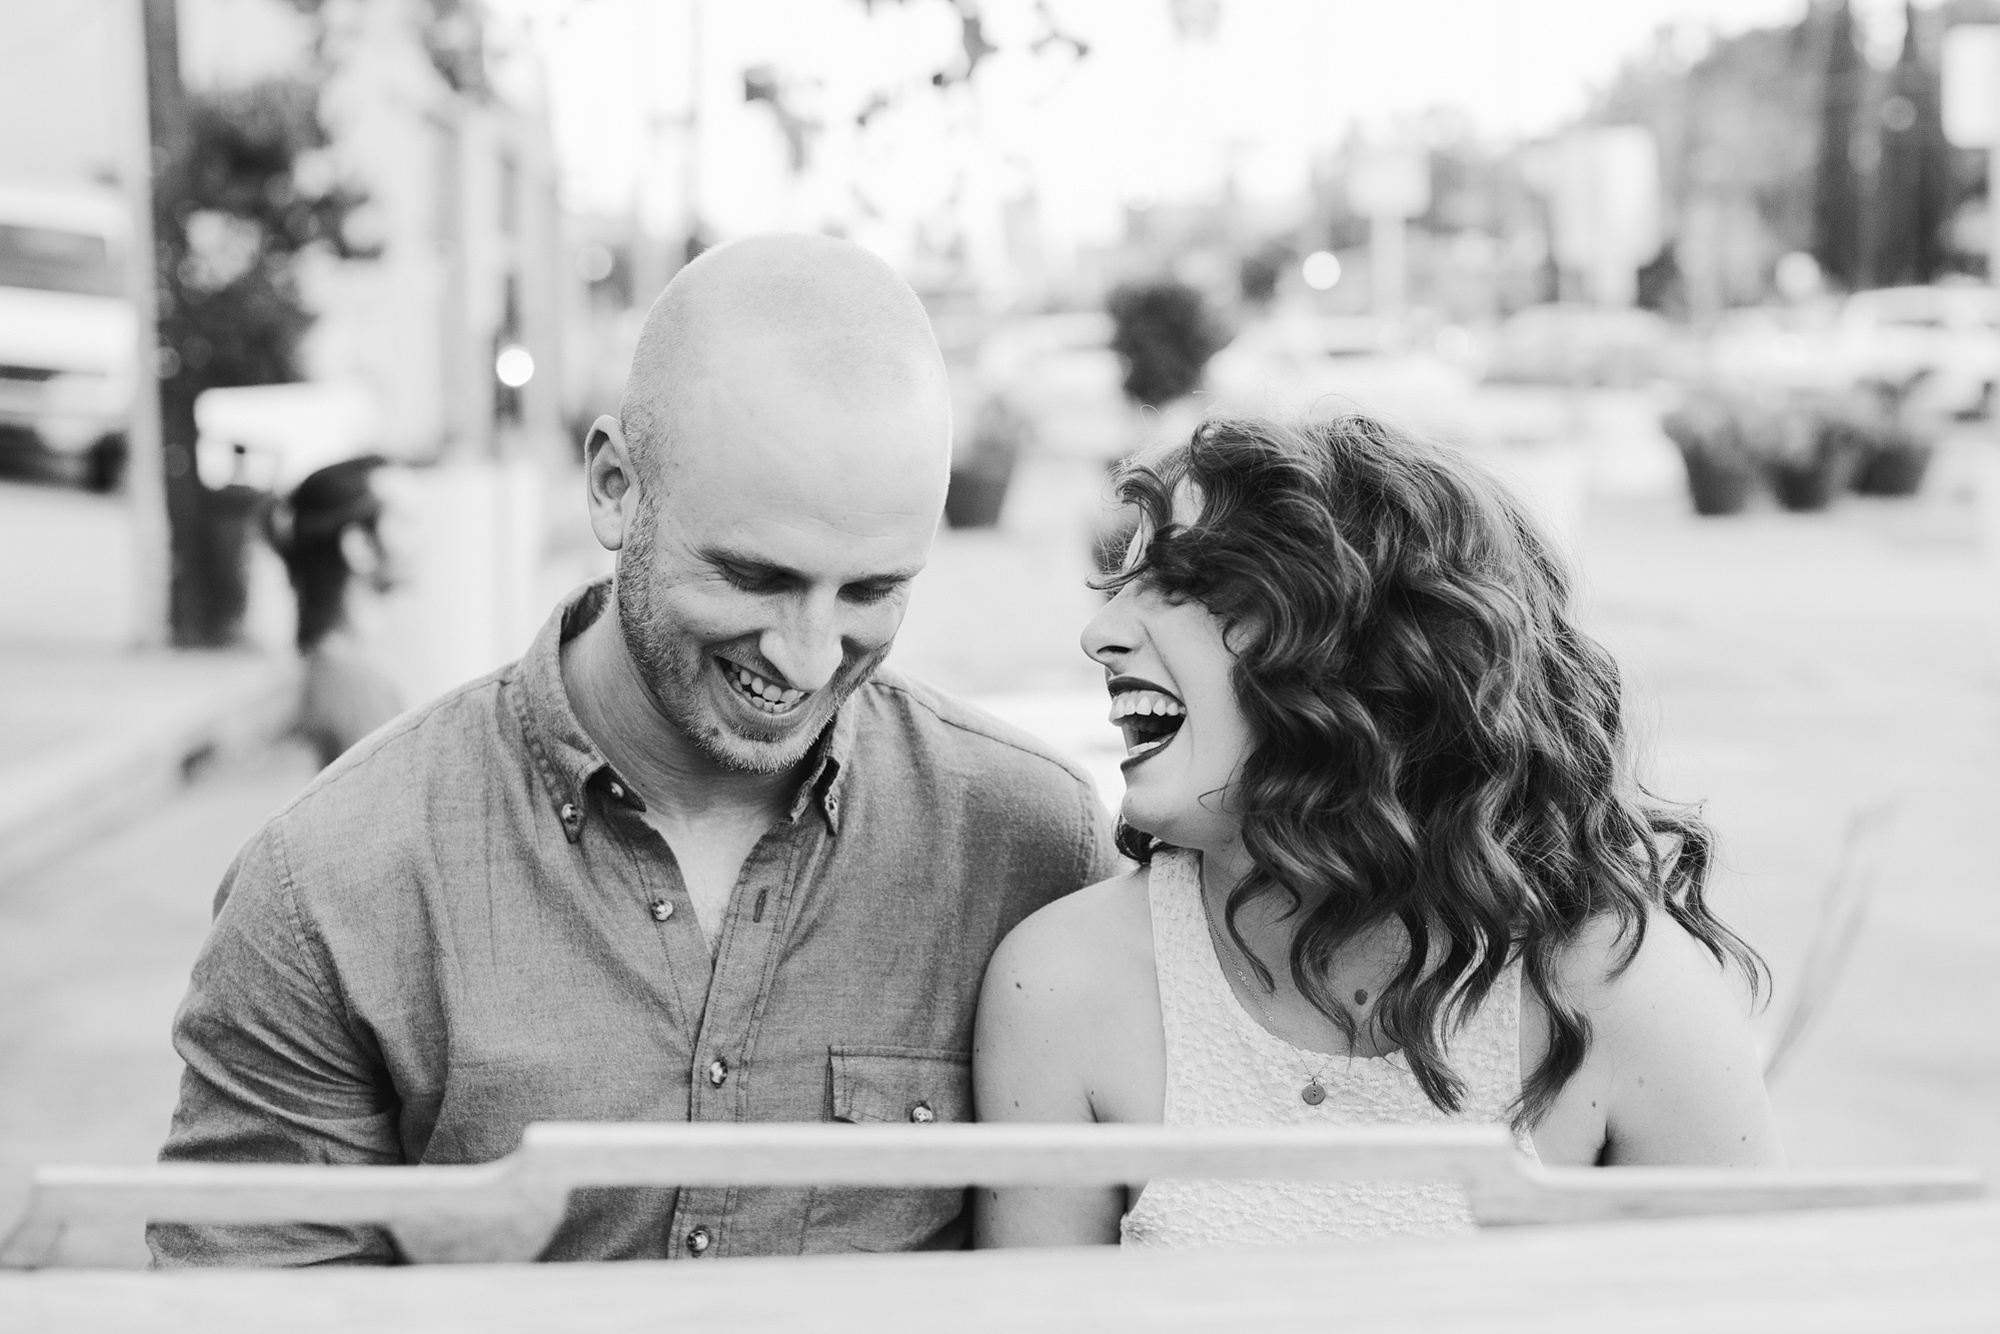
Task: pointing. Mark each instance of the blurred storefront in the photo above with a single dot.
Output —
(449, 325)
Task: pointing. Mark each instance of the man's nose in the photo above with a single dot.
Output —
(806, 648)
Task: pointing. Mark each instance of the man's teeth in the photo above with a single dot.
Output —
(1145, 702)
(770, 698)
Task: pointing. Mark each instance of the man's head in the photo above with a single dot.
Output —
(772, 483)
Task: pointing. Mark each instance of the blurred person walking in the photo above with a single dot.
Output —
(340, 536)
(1394, 866)
(695, 857)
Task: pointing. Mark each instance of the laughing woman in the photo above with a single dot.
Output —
(1393, 866)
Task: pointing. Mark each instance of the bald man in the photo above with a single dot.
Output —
(695, 857)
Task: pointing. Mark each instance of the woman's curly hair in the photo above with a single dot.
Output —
(1435, 741)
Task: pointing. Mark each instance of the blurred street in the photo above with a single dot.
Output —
(1789, 669)
(308, 311)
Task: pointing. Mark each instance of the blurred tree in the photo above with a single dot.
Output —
(1913, 188)
(1845, 144)
(250, 191)
(452, 33)
(762, 83)
(1258, 272)
(1164, 334)
(1661, 286)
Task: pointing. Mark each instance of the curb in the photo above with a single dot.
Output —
(88, 790)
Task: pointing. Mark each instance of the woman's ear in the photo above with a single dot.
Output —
(611, 482)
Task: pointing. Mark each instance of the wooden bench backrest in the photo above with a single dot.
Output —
(508, 1210)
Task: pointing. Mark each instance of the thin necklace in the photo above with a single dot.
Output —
(1314, 1093)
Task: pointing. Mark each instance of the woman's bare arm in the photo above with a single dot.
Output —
(1043, 1011)
(1673, 1077)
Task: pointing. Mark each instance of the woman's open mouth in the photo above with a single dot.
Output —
(1149, 718)
(759, 693)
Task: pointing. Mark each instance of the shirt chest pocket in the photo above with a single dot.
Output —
(910, 1084)
(891, 1086)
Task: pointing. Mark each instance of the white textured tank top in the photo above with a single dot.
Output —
(1224, 1069)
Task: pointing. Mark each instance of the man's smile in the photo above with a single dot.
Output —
(759, 692)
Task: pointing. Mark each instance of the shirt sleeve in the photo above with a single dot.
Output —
(275, 1073)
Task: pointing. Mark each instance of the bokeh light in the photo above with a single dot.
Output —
(515, 366)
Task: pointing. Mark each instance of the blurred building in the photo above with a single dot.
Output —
(450, 328)
(449, 140)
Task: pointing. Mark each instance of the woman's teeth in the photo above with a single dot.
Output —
(1143, 702)
(1148, 718)
(767, 697)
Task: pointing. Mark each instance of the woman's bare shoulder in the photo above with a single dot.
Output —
(1079, 943)
(1068, 1026)
(1613, 966)
(1672, 1074)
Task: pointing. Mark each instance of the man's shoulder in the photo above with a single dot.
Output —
(385, 788)
(987, 750)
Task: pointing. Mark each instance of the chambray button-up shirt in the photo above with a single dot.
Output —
(465, 925)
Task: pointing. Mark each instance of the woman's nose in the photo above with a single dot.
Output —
(1112, 633)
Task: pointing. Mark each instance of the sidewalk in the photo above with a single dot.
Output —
(1787, 670)
(92, 738)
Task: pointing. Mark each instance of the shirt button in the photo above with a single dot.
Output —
(662, 910)
(697, 1241)
(618, 791)
(922, 1114)
(718, 1072)
(569, 815)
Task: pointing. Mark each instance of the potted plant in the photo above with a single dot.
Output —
(1720, 471)
(1164, 334)
(979, 476)
(1894, 463)
(1893, 447)
(1807, 446)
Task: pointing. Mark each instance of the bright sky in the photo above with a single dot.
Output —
(1146, 114)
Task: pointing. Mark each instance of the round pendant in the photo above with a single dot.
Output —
(1313, 1094)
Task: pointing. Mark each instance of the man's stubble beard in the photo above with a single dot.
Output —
(672, 667)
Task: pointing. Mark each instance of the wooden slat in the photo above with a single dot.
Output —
(1833, 1272)
(507, 1210)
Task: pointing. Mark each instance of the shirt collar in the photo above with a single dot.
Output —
(827, 775)
(567, 760)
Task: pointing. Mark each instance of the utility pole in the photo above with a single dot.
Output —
(204, 603)
(145, 480)
(1971, 87)
(692, 164)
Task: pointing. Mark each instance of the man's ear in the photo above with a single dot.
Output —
(611, 482)
(362, 554)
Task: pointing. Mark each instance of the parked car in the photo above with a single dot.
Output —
(1789, 346)
(67, 333)
(1306, 363)
(271, 437)
(1946, 338)
(1575, 344)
